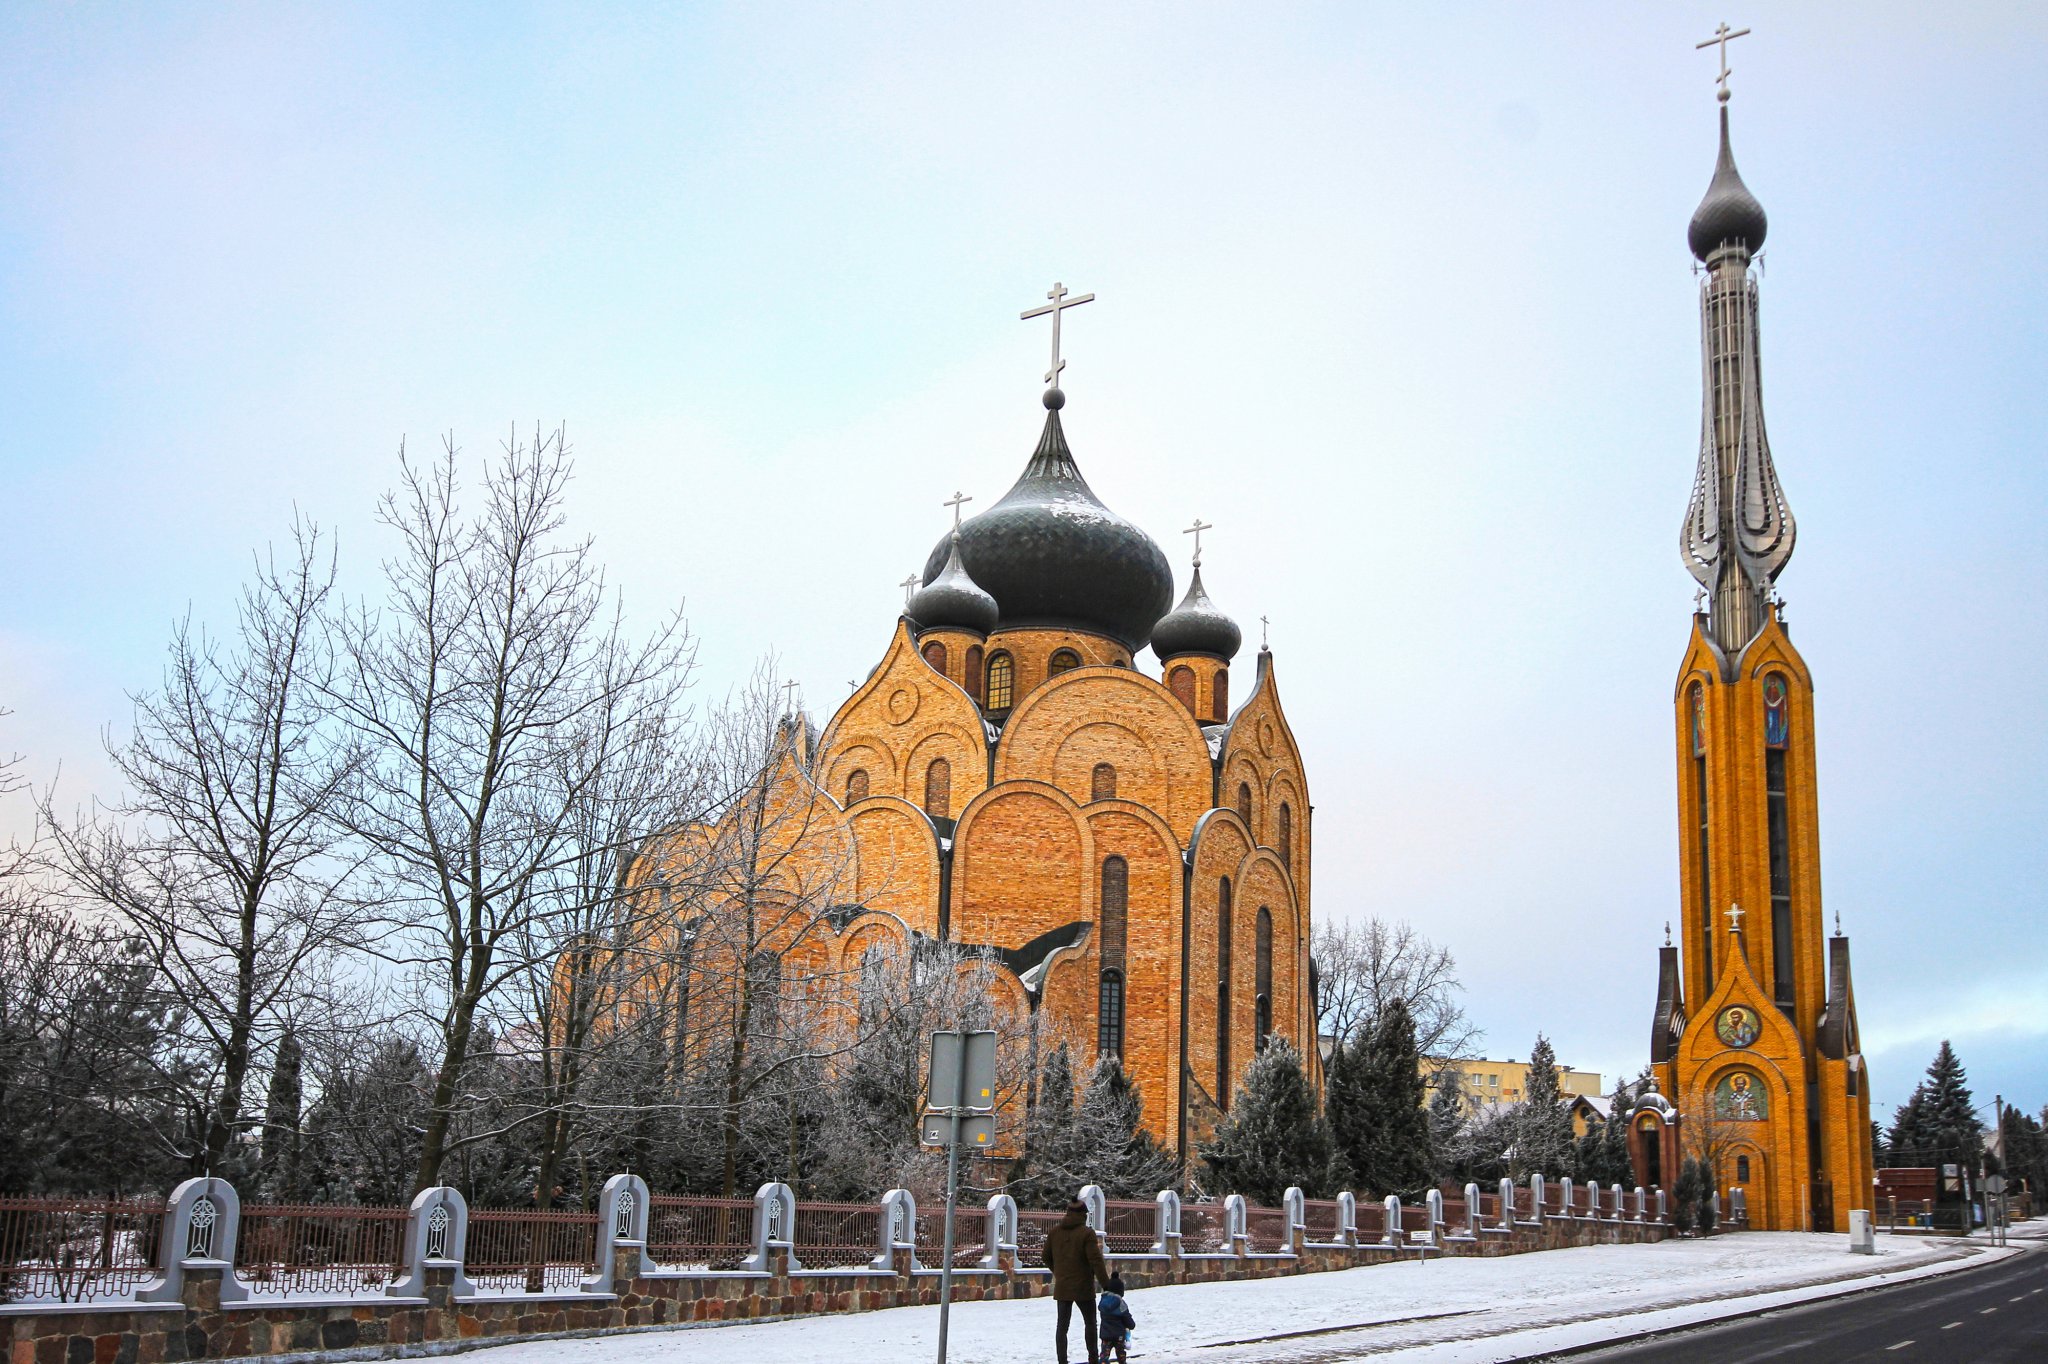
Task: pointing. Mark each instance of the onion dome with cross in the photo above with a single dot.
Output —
(1050, 553)
(1196, 626)
(1729, 214)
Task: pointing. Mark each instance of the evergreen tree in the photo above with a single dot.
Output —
(1909, 1142)
(1050, 1173)
(1122, 1157)
(1543, 1125)
(1448, 1120)
(1403, 1160)
(1614, 1136)
(1704, 1215)
(1273, 1136)
(278, 1164)
(1347, 1082)
(1685, 1196)
(1950, 1123)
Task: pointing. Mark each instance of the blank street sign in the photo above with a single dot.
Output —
(977, 1131)
(980, 1095)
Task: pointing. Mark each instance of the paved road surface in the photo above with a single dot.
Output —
(1982, 1316)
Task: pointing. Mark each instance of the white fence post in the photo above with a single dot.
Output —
(1236, 1224)
(1295, 1204)
(1347, 1218)
(438, 1234)
(1472, 1218)
(1169, 1224)
(1097, 1203)
(898, 1230)
(1434, 1201)
(622, 1213)
(201, 1222)
(1507, 1204)
(1002, 1230)
(1393, 1207)
(1536, 1196)
(1565, 1188)
(774, 1228)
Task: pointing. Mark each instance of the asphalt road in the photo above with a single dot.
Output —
(1974, 1316)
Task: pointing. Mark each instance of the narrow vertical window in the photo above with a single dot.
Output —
(1780, 825)
(935, 654)
(1109, 1016)
(1062, 660)
(1244, 801)
(972, 678)
(1223, 992)
(1742, 1169)
(1262, 963)
(856, 785)
(764, 993)
(1285, 820)
(872, 994)
(1102, 785)
(938, 789)
(1002, 681)
(1703, 847)
(1219, 695)
(1181, 682)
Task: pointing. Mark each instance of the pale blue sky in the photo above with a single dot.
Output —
(1397, 295)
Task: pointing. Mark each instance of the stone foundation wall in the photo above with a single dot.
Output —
(201, 1327)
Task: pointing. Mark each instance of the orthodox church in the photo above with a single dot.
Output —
(1754, 1045)
(1127, 838)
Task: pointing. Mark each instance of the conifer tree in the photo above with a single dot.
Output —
(1685, 1196)
(1353, 1112)
(1543, 1126)
(1403, 1159)
(1122, 1157)
(1273, 1136)
(1048, 1174)
(1949, 1123)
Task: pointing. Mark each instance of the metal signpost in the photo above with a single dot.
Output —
(959, 1107)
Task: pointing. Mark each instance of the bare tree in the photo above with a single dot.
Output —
(496, 696)
(1365, 965)
(217, 863)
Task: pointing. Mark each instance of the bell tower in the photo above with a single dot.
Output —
(1766, 1065)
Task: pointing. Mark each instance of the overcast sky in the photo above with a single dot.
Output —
(1396, 295)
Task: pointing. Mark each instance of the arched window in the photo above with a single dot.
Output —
(1116, 885)
(1263, 974)
(1244, 801)
(938, 789)
(1002, 681)
(1103, 786)
(1063, 660)
(1776, 730)
(1223, 992)
(935, 654)
(1742, 1169)
(1109, 1016)
(1181, 682)
(872, 985)
(1219, 694)
(972, 679)
(856, 785)
(1285, 819)
(1696, 707)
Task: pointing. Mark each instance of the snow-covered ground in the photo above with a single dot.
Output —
(1463, 1310)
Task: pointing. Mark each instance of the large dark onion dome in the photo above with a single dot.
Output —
(1196, 627)
(953, 600)
(1052, 555)
(1729, 213)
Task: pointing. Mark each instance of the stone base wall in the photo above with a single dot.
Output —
(200, 1327)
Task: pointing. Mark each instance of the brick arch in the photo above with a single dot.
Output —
(1282, 787)
(1156, 730)
(865, 753)
(864, 719)
(1221, 844)
(1023, 862)
(897, 852)
(967, 769)
(1262, 881)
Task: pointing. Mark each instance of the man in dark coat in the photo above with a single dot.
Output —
(1074, 1256)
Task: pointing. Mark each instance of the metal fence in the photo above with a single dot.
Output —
(1415, 1219)
(286, 1250)
(1032, 1225)
(1132, 1227)
(1204, 1229)
(530, 1250)
(77, 1249)
(1324, 1218)
(970, 1236)
(837, 1235)
(1266, 1230)
(1372, 1222)
(700, 1233)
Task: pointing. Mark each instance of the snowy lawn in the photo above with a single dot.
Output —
(1312, 1319)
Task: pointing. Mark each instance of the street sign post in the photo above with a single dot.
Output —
(960, 1102)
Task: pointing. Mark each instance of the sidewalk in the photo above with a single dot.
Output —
(1451, 1311)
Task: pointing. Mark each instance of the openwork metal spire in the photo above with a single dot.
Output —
(1738, 530)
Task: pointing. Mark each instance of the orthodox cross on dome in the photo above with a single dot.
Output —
(956, 502)
(1265, 633)
(909, 586)
(1196, 531)
(790, 687)
(1722, 37)
(1060, 303)
(1735, 918)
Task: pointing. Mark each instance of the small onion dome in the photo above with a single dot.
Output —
(1729, 213)
(953, 600)
(1196, 627)
(1054, 557)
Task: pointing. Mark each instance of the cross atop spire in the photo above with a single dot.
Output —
(1265, 633)
(1722, 37)
(956, 502)
(1735, 918)
(1060, 303)
(1196, 531)
(790, 687)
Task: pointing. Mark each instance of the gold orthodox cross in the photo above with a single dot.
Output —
(1722, 37)
(1196, 531)
(1060, 302)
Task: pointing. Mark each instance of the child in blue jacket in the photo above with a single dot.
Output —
(1117, 1321)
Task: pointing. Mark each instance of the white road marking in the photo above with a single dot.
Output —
(1987, 1311)
(1900, 1346)
(1951, 1326)
(2022, 1295)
